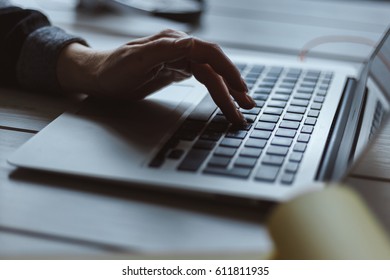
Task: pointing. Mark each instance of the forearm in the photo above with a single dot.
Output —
(30, 48)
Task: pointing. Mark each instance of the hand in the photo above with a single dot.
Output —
(146, 65)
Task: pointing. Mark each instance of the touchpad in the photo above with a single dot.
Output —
(134, 128)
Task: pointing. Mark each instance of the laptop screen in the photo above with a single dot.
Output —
(377, 100)
(380, 67)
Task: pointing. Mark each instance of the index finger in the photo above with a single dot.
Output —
(211, 54)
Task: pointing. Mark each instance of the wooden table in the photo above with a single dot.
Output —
(53, 215)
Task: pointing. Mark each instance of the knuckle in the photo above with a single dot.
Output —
(168, 32)
(215, 47)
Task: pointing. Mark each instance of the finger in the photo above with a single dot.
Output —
(208, 53)
(167, 50)
(243, 100)
(219, 92)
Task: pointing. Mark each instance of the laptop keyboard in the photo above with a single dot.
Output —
(271, 147)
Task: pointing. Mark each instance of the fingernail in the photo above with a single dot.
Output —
(242, 118)
(184, 43)
(250, 100)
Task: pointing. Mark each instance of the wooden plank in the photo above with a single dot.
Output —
(30, 111)
(120, 217)
(16, 245)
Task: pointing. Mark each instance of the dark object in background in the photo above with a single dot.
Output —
(178, 10)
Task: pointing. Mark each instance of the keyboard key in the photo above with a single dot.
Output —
(262, 97)
(257, 69)
(300, 102)
(296, 157)
(287, 85)
(251, 152)
(253, 111)
(308, 84)
(219, 161)
(296, 71)
(245, 162)
(319, 99)
(313, 113)
(204, 144)
(292, 167)
(273, 111)
(310, 79)
(290, 80)
(277, 150)
(211, 135)
(286, 132)
(307, 129)
(273, 160)
(193, 160)
(321, 92)
(310, 121)
(175, 154)
(262, 134)
(259, 103)
(289, 124)
(267, 84)
(293, 117)
(269, 118)
(264, 91)
(220, 119)
(265, 126)
(255, 143)
(277, 104)
(275, 69)
(217, 127)
(239, 134)
(303, 138)
(299, 147)
(303, 96)
(225, 152)
(231, 142)
(186, 135)
(288, 178)
(270, 80)
(306, 90)
(267, 173)
(316, 106)
(285, 91)
(296, 109)
(282, 141)
(250, 118)
(280, 97)
(252, 76)
(238, 172)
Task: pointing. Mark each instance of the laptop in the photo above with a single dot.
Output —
(310, 124)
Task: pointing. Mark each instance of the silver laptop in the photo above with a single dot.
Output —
(310, 124)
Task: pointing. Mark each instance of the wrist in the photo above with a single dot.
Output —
(77, 69)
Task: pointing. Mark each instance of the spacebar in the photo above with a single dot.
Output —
(203, 110)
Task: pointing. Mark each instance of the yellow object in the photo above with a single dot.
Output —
(330, 224)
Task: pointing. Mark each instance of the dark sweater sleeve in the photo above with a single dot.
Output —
(29, 49)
